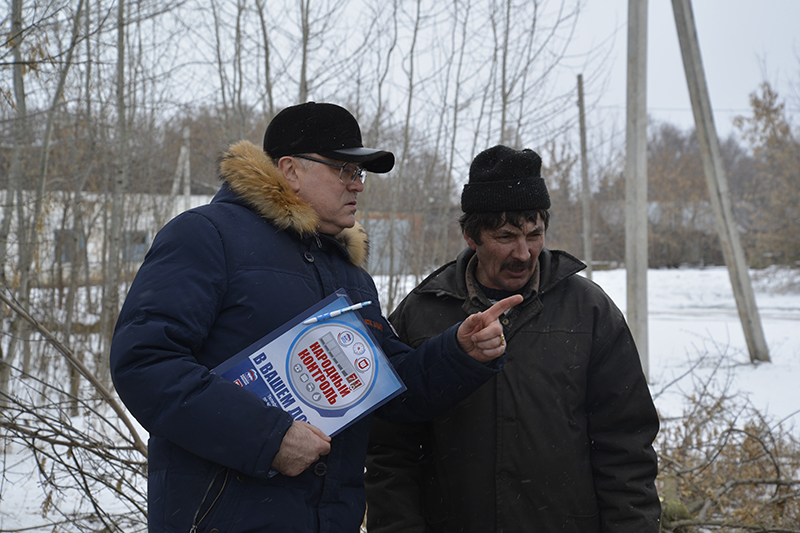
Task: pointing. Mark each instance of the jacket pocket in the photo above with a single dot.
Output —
(212, 500)
(580, 523)
(183, 502)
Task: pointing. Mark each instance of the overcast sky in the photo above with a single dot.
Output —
(742, 43)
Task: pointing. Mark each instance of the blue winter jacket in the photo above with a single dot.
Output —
(218, 278)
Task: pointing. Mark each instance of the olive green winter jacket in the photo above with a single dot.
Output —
(561, 440)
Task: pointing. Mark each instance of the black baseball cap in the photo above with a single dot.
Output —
(325, 129)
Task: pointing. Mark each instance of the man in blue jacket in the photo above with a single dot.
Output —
(278, 237)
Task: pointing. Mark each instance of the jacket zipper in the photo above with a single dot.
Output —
(195, 521)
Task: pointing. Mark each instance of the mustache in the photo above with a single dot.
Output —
(517, 265)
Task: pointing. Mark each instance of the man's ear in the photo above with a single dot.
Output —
(288, 167)
(473, 246)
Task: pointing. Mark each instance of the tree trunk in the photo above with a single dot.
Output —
(373, 134)
(302, 95)
(14, 191)
(270, 107)
(32, 243)
(442, 231)
(223, 79)
(398, 180)
(114, 262)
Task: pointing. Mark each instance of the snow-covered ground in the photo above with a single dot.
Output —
(694, 325)
(694, 335)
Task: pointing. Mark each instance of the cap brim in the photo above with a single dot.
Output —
(378, 161)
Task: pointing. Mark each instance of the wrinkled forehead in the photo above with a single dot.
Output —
(523, 227)
(523, 222)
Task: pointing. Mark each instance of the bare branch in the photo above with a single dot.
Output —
(85, 372)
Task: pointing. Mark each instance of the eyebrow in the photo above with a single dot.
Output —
(539, 228)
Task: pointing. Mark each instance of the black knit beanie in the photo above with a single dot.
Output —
(503, 179)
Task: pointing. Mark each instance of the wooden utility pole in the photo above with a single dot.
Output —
(587, 193)
(636, 178)
(718, 183)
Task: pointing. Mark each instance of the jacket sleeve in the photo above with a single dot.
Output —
(623, 423)
(437, 375)
(436, 372)
(167, 315)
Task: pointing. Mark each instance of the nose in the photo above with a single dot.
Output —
(356, 186)
(521, 252)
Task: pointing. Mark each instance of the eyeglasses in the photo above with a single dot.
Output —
(359, 172)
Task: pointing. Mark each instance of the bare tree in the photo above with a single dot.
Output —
(79, 459)
(320, 56)
(221, 66)
(230, 70)
(404, 152)
(379, 44)
(559, 173)
(14, 191)
(305, 36)
(31, 240)
(441, 247)
(112, 277)
(269, 108)
(28, 228)
(530, 48)
(238, 71)
(20, 130)
(432, 172)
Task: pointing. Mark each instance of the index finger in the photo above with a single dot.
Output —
(495, 311)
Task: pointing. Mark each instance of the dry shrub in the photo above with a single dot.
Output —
(81, 470)
(777, 279)
(726, 467)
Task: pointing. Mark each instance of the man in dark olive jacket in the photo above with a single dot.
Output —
(277, 238)
(561, 440)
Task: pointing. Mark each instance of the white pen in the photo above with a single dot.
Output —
(337, 312)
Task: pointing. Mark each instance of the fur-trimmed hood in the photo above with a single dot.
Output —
(252, 175)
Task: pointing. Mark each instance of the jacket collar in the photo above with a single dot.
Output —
(554, 266)
(255, 180)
